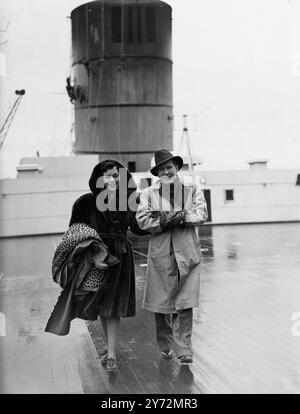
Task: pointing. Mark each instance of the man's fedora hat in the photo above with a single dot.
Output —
(162, 156)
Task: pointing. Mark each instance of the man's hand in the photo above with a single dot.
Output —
(175, 218)
(169, 220)
(155, 214)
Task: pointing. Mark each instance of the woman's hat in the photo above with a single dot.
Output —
(162, 156)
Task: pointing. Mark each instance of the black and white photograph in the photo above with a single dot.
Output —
(149, 199)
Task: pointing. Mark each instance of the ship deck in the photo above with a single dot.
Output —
(245, 339)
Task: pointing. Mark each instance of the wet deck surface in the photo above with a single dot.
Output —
(243, 339)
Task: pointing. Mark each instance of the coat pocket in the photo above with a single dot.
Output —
(163, 265)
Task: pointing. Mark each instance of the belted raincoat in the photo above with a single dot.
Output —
(174, 256)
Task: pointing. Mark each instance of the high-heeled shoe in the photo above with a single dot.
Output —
(167, 354)
(111, 365)
(185, 359)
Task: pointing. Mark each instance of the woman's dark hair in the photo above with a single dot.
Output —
(107, 165)
(99, 171)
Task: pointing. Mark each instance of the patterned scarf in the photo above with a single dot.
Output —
(77, 233)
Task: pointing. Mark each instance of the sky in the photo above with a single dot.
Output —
(236, 73)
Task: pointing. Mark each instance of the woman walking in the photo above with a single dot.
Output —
(115, 298)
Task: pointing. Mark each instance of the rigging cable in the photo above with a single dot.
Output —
(120, 69)
(99, 82)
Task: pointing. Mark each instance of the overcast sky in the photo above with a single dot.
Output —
(236, 68)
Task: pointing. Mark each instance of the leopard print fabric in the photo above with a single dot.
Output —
(93, 280)
(77, 233)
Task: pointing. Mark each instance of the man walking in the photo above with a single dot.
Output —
(171, 212)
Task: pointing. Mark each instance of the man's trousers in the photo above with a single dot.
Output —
(175, 329)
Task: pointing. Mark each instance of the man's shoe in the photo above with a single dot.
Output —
(167, 354)
(111, 365)
(185, 359)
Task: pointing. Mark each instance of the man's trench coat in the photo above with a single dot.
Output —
(174, 256)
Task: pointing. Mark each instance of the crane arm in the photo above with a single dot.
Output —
(7, 123)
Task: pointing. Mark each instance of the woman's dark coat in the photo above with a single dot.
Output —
(117, 295)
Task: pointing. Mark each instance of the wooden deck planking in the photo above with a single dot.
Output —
(250, 287)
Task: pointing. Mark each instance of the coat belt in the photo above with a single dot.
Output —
(115, 236)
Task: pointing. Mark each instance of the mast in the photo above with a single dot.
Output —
(185, 138)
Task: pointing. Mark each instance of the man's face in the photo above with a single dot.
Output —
(111, 179)
(167, 172)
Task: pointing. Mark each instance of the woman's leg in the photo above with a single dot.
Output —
(113, 325)
(104, 326)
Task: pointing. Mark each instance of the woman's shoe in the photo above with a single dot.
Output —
(104, 357)
(185, 359)
(111, 365)
(167, 354)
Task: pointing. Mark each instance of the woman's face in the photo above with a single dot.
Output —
(111, 179)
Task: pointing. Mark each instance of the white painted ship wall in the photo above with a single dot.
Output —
(41, 202)
(259, 196)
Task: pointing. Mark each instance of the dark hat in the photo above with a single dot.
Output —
(98, 171)
(162, 156)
